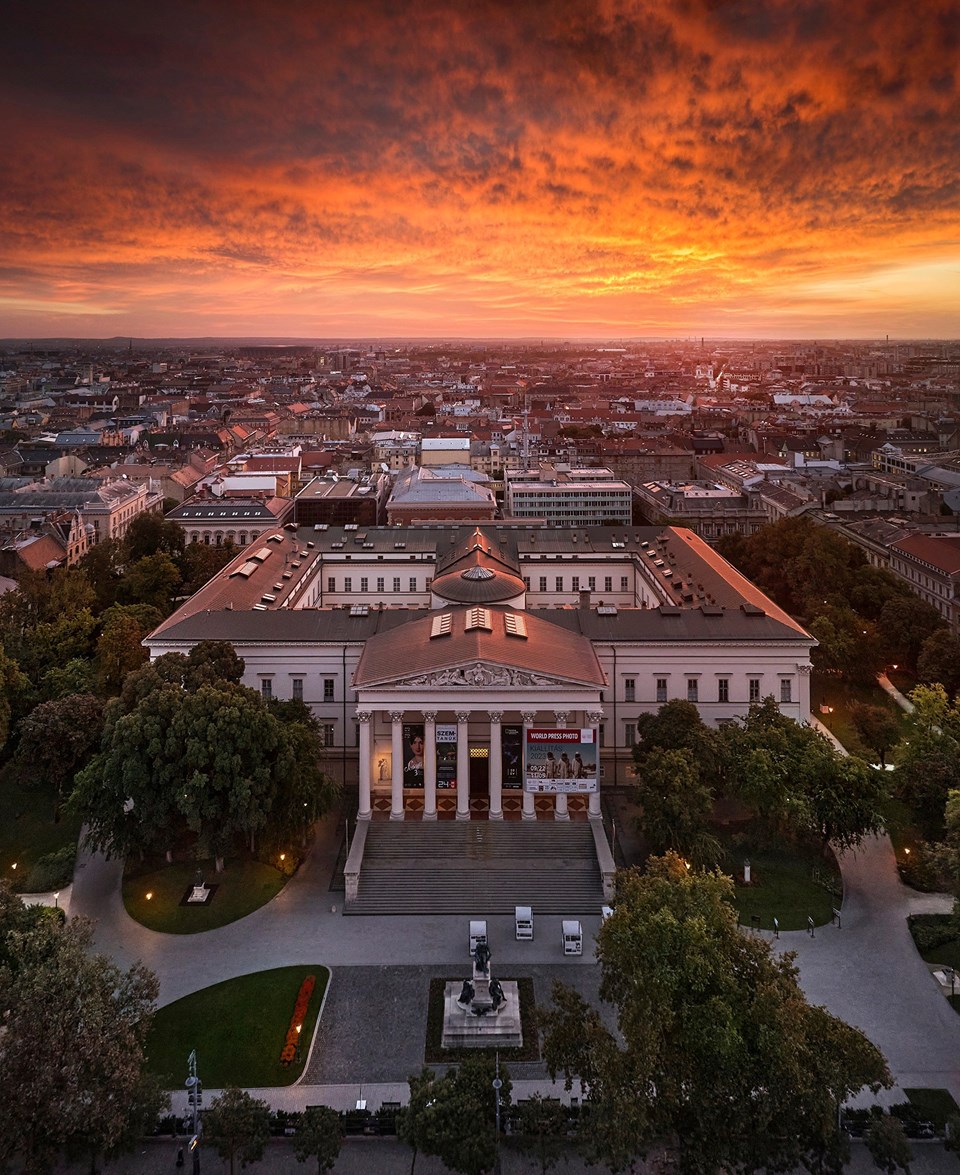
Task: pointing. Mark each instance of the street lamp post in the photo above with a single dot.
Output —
(497, 1086)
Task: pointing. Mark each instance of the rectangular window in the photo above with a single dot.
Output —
(298, 689)
(364, 583)
(592, 582)
(608, 583)
(380, 583)
(526, 582)
(326, 734)
(624, 583)
(630, 689)
(661, 689)
(331, 584)
(543, 583)
(559, 583)
(396, 583)
(754, 687)
(575, 586)
(413, 583)
(328, 689)
(601, 735)
(348, 584)
(629, 733)
(785, 690)
(723, 690)
(693, 690)
(266, 687)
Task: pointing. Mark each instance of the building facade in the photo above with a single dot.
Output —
(449, 644)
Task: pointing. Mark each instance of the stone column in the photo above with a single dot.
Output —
(463, 765)
(560, 805)
(529, 799)
(594, 718)
(495, 763)
(363, 810)
(430, 765)
(396, 778)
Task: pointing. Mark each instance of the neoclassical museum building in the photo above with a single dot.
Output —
(498, 670)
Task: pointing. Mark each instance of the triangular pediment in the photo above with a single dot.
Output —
(477, 675)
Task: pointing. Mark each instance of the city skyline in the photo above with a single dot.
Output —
(575, 170)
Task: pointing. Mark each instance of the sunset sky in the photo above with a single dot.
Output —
(525, 167)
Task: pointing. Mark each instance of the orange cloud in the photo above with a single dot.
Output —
(484, 168)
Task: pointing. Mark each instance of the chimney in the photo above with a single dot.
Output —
(585, 601)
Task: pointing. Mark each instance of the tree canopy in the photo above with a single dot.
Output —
(717, 1060)
(237, 1126)
(74, 1031)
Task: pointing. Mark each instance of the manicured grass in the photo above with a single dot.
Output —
(790, 884)
(244, 886)
(28, 831)
(238, 1030)
(435, 1053)
(841, 695)
(936, 1104)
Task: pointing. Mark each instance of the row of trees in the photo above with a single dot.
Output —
(864, 617)
(791, 779)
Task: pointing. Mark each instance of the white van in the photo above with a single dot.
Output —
(572, 938)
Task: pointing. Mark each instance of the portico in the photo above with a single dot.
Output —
(482, 677)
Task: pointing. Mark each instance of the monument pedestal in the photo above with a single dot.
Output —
(471, 1027)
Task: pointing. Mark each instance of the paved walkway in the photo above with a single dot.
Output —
(868, 972)
(902, 701)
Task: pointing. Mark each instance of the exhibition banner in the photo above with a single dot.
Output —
(561, 760)
(413, 754)
(511, 756)
(446, 758)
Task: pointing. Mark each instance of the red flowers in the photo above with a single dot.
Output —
(289, 1050)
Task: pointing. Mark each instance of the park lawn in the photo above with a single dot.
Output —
(244, 886)
(790, 884)
(841, 695)
(28, 831)
(237, 1029)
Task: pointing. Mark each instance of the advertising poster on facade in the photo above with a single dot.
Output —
(561, 761)
(446, 758)
(511, 756)
(413, 754)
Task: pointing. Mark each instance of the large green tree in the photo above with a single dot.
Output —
(57, 738)
(939, 660)
(454, 1116)
(319, 1136)
(72, 1045)
(929, 765)
(212, 760)
(677, 806)
(237, 1126)
(119, 647)
(717, 1061)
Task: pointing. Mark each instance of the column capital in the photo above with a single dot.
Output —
(495, 716)
(396, 716)
(561, 717)
(529, 716)
(805, 670)
(363, 715)
(463, 716)
(594, 716)
(429, 715)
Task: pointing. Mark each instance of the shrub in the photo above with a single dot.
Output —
(54, 871)
(931, 931)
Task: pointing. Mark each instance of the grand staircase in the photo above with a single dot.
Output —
(478, 867)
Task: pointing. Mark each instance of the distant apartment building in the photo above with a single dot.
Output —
(708, 508)
(338, 501)
(569, 497)
(218, 521)
(442, 493)
(105, 509)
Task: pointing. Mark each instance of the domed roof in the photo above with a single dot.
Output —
(478, 573)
